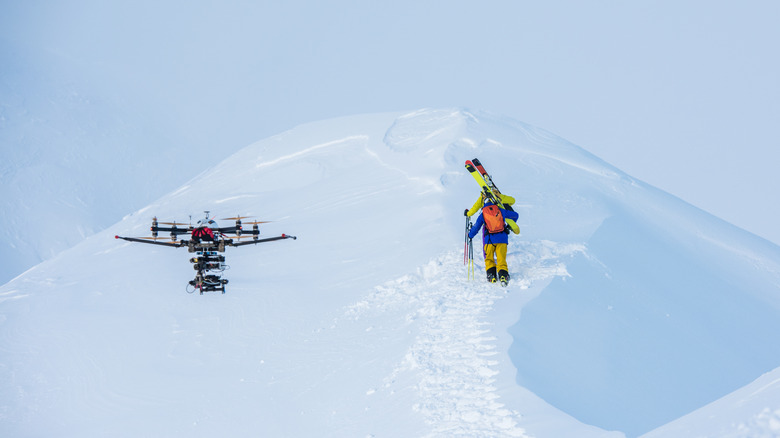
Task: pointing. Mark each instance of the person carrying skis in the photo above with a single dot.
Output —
(495, 238)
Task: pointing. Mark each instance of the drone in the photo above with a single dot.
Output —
(207, 240)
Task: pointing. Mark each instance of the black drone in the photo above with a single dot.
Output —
(207, 240)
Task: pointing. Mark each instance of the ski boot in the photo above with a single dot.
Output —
(503, 277)
(491, 275)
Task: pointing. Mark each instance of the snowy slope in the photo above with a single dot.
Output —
(73, 162)
(627, 310)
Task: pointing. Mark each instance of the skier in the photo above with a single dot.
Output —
(495, 237)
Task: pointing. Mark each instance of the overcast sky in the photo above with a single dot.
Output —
(684, 95)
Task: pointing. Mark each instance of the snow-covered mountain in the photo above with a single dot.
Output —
(629, 311)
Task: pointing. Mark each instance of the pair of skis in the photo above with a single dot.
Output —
(489, 189)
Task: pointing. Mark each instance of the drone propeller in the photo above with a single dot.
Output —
(154, 238)
(174, 223)
(237, 218)
(257, 222)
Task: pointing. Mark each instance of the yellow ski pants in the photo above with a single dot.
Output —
(495, 256)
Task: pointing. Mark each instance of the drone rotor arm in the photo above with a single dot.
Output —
(154, 241)
(267, 239)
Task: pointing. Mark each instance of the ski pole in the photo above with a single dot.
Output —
(470, 269)
(466, 240)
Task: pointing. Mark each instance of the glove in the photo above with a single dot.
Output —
(466, 212)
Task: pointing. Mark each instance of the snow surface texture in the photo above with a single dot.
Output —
(629, 311)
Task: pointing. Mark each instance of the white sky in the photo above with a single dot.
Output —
(684, 95)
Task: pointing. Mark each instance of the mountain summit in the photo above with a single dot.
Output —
(627, 310)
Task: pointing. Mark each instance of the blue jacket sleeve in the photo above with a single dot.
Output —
(477, 225)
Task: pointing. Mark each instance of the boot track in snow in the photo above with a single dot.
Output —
(453, 356)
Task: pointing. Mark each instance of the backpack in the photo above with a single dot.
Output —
(494, 220)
